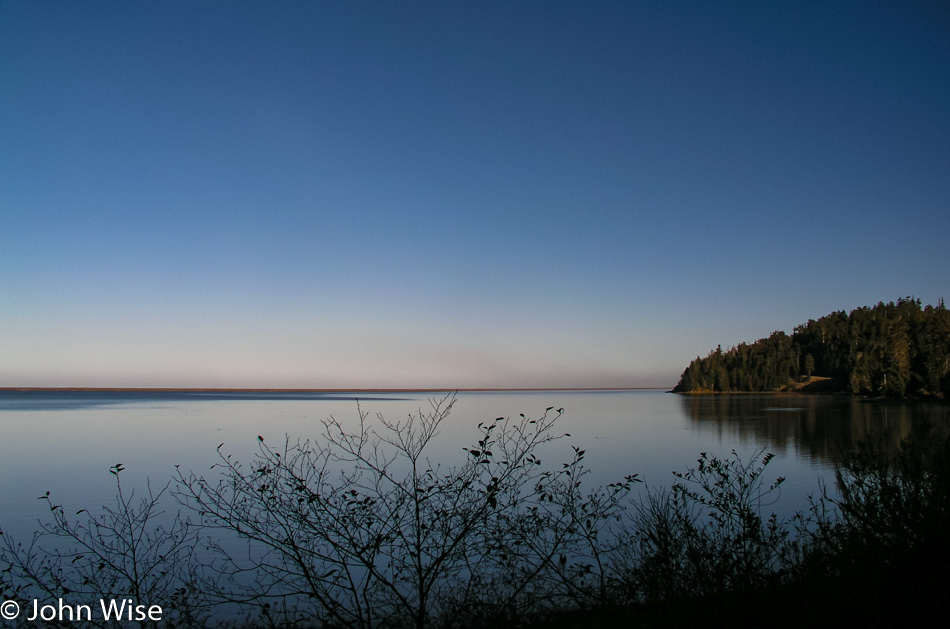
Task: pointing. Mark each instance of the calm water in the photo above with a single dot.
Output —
(65, 442)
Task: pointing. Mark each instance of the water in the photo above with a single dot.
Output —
(65, 442)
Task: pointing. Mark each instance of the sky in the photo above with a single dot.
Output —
(456, 195)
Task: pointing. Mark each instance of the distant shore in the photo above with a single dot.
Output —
(805, 384)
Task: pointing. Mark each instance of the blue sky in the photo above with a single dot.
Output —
(442, 194)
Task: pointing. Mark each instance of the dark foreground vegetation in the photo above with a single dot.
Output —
(358, 529)
(894, 350)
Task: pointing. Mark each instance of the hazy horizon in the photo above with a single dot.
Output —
(334, 390)
(428, 194)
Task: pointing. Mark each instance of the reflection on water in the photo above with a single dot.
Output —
(821, 428)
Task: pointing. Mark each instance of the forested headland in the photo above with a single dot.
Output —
(895, 349)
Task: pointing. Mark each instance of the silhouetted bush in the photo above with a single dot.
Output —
(359, 529)
(124, 553)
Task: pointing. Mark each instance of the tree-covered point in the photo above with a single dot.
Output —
(893, 349)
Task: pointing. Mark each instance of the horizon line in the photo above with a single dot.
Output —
(324, 390)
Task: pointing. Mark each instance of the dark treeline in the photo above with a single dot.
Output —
(893, 349)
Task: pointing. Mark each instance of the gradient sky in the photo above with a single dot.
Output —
(456, 194)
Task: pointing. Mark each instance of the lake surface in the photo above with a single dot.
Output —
(65, 442)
